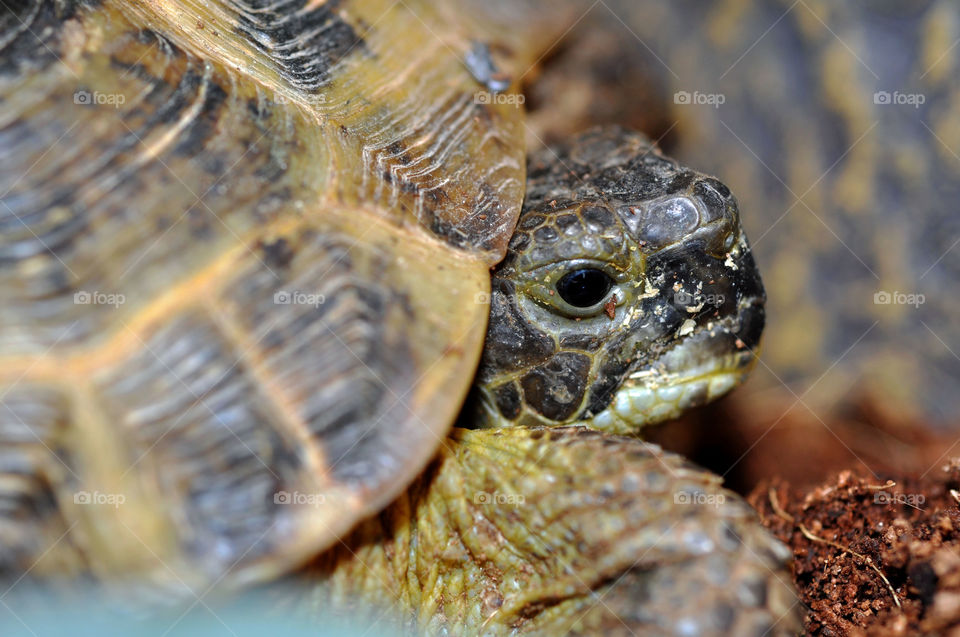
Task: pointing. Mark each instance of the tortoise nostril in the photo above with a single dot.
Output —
(716, 200)
(719, 216)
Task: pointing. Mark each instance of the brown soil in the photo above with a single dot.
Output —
(868, 501)
(872, 559)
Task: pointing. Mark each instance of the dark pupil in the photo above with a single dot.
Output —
(584, 288)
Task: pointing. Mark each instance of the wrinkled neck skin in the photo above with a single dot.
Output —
(681, 322)
(500, 537)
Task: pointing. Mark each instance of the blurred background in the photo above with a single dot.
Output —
(837, 125)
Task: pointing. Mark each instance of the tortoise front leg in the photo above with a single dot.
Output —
(553, 531)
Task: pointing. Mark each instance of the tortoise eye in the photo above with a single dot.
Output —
(584, 287)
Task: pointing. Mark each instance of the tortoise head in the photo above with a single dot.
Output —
(628, 293)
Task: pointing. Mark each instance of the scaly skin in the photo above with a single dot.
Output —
(552, 531)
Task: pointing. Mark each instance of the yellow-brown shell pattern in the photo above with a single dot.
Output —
(243, 261)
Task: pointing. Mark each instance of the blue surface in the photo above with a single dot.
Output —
(44, 615)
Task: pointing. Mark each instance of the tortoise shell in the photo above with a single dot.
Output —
(243, 268)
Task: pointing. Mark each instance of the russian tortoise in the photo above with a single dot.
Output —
(245, 285)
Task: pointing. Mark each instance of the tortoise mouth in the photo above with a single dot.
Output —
(700, 368)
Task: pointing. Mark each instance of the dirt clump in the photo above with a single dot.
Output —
(872, 557)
